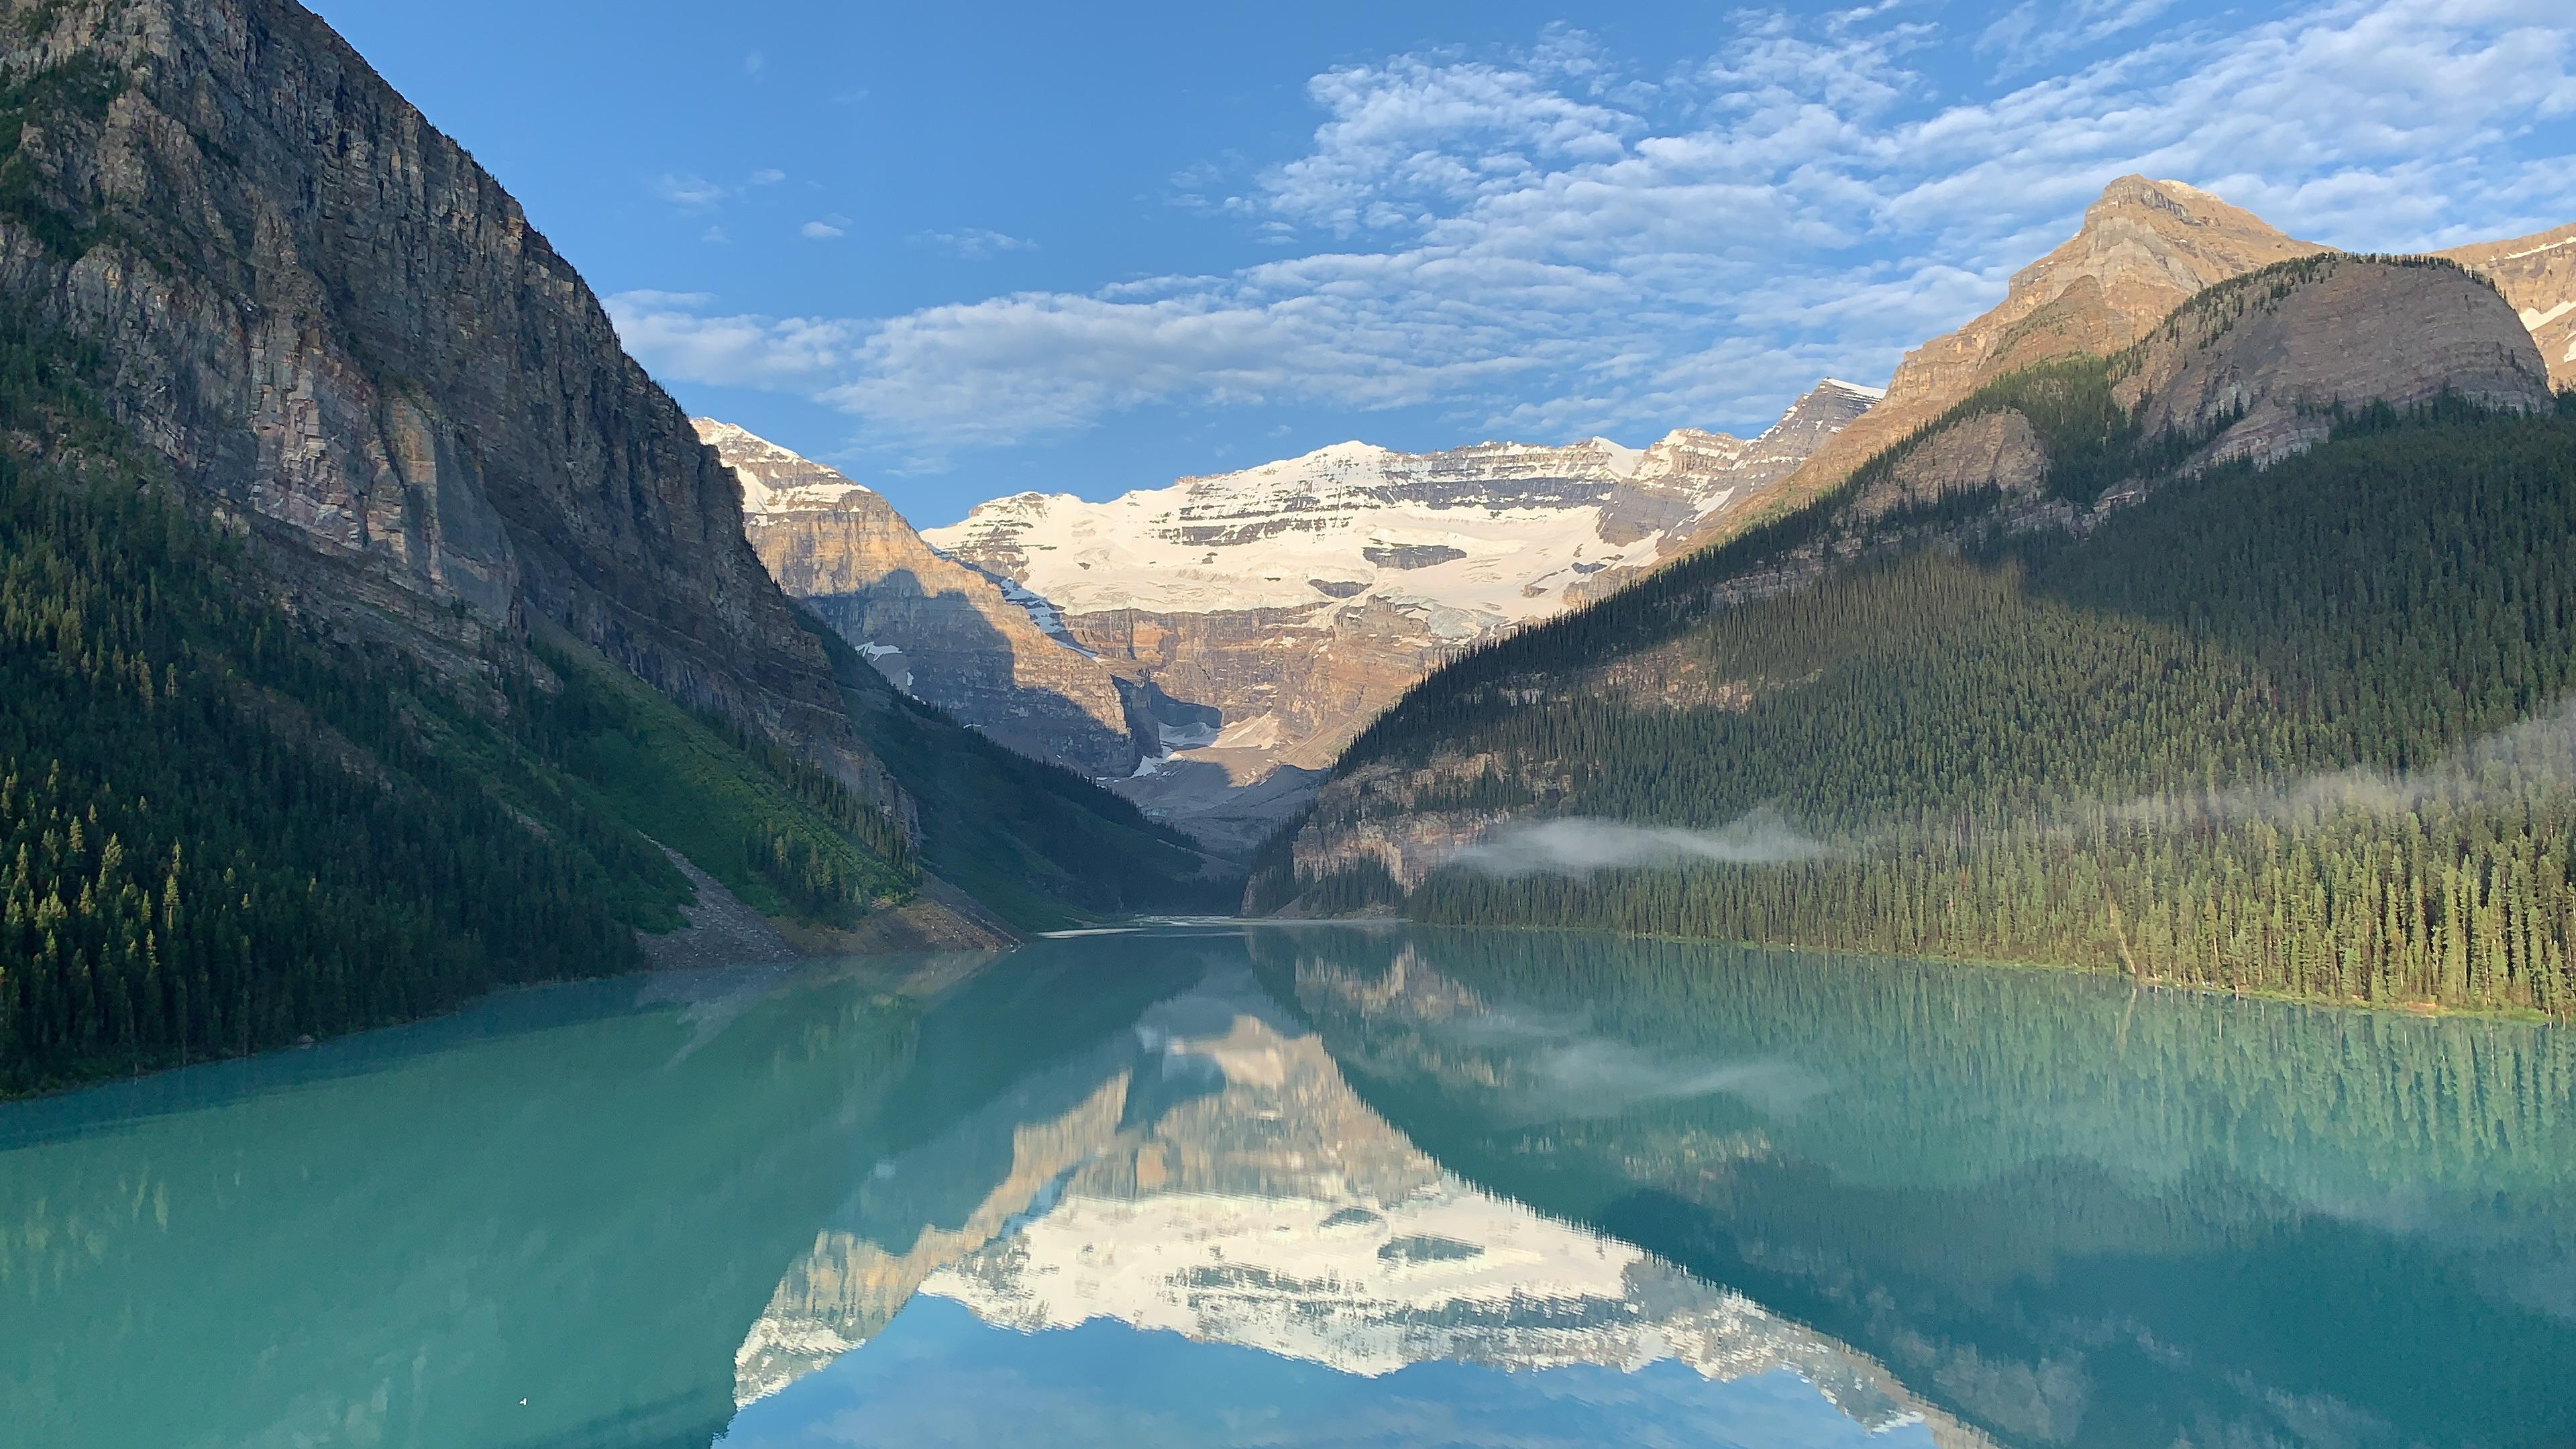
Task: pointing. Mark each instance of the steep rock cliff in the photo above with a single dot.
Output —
(937, 629)
(345, 336)
(2274, 351)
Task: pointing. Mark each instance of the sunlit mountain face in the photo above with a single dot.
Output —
(1316, 1186)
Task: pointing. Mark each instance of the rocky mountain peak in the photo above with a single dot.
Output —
(2143, 240)
(2145, 247)
(773, 478)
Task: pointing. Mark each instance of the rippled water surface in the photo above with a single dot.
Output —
(1315, 1187)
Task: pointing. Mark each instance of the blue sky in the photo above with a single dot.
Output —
(965, 250)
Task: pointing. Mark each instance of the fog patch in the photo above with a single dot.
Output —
(1580, 846)
(2509, 767)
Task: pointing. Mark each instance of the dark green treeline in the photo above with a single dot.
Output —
(2296, 729)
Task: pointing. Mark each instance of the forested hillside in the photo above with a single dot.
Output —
(222, 829)
(2294, 729)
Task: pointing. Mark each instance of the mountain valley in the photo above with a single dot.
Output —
(1207, 649)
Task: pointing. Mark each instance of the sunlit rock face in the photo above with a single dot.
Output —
(344, 336)
(944, 632)
(2145, 247)
(1251, 1198)
(2537, 274)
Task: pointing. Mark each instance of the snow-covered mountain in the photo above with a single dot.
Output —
(1275, 611)
(1486, 535)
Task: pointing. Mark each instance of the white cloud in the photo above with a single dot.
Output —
(671, 331)
(692, 192)
(977, 244)
(689, 191)
(826, 229)
(1550, 245)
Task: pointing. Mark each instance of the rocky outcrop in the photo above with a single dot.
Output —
(346, 338)
(2537, 274)
(2266, 357)
(1268, 615)
(2145, 248)
(938, 629)
(1996, 450)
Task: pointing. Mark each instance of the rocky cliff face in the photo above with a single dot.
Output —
(344, 335)
(946, 633)
(2537, 274)
(1268, 615)
(2275, 350)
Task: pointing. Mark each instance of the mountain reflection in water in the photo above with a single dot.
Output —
(1316, 1186)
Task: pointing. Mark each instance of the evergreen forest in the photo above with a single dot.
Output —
(2300, 729)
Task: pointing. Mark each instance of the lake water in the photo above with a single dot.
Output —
(1314, 1187)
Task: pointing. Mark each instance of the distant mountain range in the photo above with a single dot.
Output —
(1209, 647)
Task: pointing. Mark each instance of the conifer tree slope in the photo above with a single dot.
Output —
(2240, 658)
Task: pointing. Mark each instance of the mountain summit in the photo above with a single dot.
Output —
(2145, 248)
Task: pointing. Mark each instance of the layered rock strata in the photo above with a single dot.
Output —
(940, 630)
(2537, 274)
(343, 333)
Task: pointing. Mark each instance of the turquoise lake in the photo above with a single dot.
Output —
(1314, 1186)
